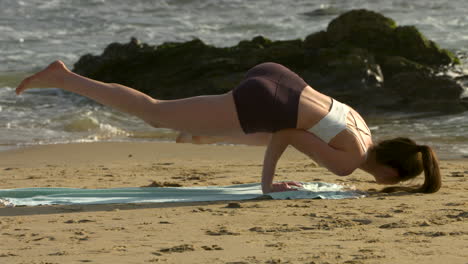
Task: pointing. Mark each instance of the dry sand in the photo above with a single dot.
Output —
(382, 228)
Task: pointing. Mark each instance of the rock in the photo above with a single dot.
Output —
(392, 65)
(178, 249)
(425, 92)
(358, 67)
(234, 205)
(363, 28)
(316, 41)
(363, 59)
(379, 34)
(412, 44)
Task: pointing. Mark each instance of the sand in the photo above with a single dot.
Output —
(398, 228)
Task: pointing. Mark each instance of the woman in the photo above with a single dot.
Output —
(272, 106)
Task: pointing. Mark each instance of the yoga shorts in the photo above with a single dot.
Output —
(267, 100)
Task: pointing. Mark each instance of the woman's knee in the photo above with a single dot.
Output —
(152, 114)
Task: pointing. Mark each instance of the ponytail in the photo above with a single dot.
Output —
(432, 177)
(400, 154)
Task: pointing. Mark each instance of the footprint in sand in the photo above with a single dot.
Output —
(395, 225)
(71, 221)
(221, 231)
(276, 229)
(60, 253)
(212, 247)
(176, 249)
(278, 245)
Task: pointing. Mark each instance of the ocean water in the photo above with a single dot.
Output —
(35, 32)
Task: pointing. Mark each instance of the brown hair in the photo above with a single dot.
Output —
(409, 159)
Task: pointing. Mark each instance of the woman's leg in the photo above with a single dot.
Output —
(201, 115)
(255, 139)
(212, 115)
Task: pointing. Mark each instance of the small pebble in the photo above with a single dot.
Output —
(424, 223)
(233, 205)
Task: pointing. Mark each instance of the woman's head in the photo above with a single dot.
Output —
(409, 160)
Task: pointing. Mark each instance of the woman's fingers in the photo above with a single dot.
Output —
(285, 186)
(294, 183)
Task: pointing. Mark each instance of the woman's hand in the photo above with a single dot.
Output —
(285, 186)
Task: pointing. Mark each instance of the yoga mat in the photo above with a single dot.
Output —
(49, 196)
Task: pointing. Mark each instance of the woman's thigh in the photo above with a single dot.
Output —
(213, 115)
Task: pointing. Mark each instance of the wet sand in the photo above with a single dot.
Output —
(381, 228)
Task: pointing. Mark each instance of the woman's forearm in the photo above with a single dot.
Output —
(268, 172)
(275, 149)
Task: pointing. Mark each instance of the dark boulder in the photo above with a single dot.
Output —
(363, 59)
(412, 44)
(425, 92)
(364, 29)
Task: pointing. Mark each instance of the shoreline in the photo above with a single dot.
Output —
(381, 228)
(168, 140)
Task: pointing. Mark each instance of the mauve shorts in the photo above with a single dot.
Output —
(267, 100)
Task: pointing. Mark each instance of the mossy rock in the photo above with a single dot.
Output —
(258, 42)
(362, 28)
(413, 45)
(289, 52)
(392, 65)
(381, 35)
(348, 61)
(316, 40)
(426, 92)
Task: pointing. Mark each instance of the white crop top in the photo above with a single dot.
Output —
(333, 123)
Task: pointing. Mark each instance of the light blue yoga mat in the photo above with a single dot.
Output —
(49, 196)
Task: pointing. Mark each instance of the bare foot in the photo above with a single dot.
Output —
(49, 77)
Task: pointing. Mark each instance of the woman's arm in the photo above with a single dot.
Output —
(341, 162)
(278, 143)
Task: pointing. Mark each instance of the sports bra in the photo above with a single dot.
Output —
(335, 122)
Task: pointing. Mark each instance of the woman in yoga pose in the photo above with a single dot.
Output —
(272, 106)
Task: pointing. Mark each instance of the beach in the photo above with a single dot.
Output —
(380, 228)
(53, 138)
